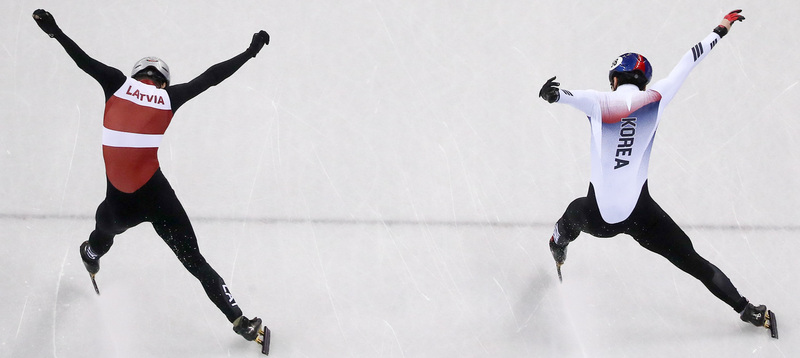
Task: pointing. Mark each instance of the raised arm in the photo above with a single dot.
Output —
(215, 74)
(669, 86)
(109, 78)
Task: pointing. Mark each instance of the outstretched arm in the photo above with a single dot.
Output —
(213, 76)
(582, 100)
(109, 78)
(669, 86)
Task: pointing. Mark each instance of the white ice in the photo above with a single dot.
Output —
(382, 179)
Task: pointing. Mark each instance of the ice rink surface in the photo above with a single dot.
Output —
(382, 179)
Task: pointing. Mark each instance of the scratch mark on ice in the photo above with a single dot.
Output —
(21, 317)
(55, 304)
(328, 287)
(567, 315)
(71, 160)
(405, 263)
(325, 171)
(788, 88)
(508, 302)
(397, 340)
(235, 258)
(386, 28)
(450, 178)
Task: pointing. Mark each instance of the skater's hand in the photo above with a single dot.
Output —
(260, 39)
(46, 22)
(732, 17)
(549, 91)
(725, 26)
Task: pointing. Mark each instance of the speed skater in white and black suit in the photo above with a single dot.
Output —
(623, 125)
(138, 110)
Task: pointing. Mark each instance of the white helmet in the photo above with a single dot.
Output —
(152, 62)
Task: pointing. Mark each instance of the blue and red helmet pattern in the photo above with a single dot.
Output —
(629, 63)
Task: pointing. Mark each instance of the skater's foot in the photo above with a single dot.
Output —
(559, 251)
(247, 328)
(760, 316)
(757, 315)
(90, 259)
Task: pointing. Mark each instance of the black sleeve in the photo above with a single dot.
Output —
(179, 94)
(109, 78)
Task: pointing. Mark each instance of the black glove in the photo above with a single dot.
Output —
(549, 91)
(46, 22)
(260, 39)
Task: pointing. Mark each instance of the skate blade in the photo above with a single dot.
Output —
(771, 324)
(94, 283)
(558, 269)
(264, 339)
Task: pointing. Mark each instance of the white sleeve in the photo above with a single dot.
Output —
(584, 100)
(669, 86)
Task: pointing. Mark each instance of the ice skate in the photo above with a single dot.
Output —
(760, 316)
(90, 260)
(247, 328)
(252, 330)
(559, 253)
(92, 263)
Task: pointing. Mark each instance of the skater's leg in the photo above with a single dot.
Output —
(101, 239)
(654, 230)
(174, 227)
(582, 215)
(181, 240)
(117, 213)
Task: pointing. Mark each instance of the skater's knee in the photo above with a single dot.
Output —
(109, 227)
(564, 231)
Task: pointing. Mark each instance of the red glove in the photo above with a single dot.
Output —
(727, 22)
(734, 16)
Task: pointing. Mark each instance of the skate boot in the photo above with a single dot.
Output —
(90, 260)
(760, 316)
(756, 315)
(559, 251)
(247, 328)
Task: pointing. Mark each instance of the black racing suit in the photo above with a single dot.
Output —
(155, 201)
